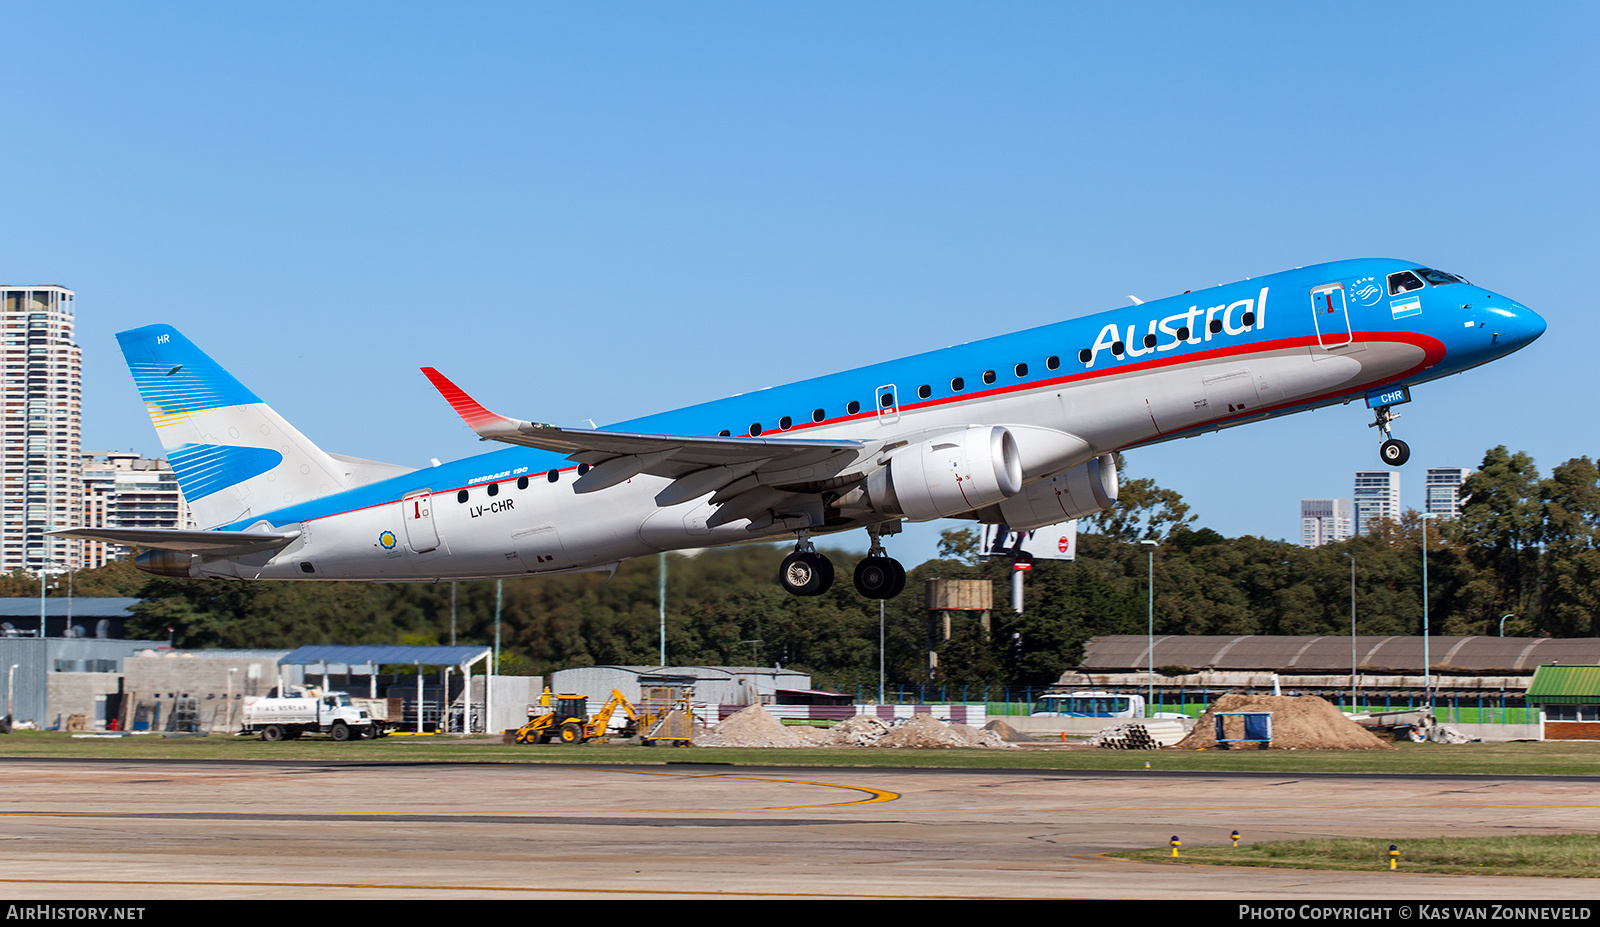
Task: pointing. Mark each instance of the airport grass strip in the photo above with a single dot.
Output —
(1569, 758)
(1569, 856)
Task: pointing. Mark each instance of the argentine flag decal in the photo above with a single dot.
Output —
(1400, 308)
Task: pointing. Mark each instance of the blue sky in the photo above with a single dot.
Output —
(602, 211)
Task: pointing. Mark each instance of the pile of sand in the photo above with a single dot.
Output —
(1298, 723)
(756, 727)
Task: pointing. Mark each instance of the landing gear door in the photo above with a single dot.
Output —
(417, 510)
(1330, 315)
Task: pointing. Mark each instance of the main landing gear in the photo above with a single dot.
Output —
(806, 572)
(1392, 451)
(879, 576)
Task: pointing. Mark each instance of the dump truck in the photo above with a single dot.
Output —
(308, 710)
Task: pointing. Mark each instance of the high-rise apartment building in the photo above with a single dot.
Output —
(41, 481)
(1444, 490)
(1376, 497)
(123, 490)
(1323, 521)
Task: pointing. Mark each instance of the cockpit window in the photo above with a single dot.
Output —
(1437, 277)
(1404, 282)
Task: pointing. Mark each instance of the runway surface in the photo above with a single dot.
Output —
(175, 829)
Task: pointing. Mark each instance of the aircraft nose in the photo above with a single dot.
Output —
(1525, 325)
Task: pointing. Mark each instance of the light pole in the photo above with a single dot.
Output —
(1150, 644)
(1427, 678)
(1352, 631)
(1503, 623)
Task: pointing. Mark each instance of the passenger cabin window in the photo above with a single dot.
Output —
(1022, 371)
(818, 415)
(852, 408)
(924, 391)
(494, 489)
(1404, 282)
(522, 482)
(957, 385)
(461, 496)
(988, 376)
(1052, 362)
(887, 399)
(724, 433)
(755, 429)
(785, 423)
(553, 476)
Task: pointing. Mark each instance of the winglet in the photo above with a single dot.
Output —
(471, 411)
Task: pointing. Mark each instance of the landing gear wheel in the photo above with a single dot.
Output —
(1394, 452)
(880, 577)
(572, 733)
(805, 573)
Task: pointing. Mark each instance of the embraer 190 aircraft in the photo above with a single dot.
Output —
(1015, 430)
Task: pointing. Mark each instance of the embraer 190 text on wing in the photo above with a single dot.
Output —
(1015, 430)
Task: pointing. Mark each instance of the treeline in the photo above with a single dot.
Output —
(1525, 546)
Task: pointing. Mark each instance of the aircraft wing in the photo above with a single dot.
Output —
(219, 543)
(697, 462)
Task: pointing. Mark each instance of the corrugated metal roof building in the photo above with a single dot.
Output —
(1569, 702)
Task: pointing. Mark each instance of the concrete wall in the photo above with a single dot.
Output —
(161, 680)
(80, 693)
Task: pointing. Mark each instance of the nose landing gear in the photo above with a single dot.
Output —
(1392, 451)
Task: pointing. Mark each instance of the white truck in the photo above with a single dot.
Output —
(308, 710)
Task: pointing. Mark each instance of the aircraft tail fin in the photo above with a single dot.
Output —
(234, 456)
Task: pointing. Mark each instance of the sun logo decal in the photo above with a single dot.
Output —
(387, 540)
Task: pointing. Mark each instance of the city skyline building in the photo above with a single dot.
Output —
(1323, 521)
(124, 490)
(41, 478)
(1444, 490)
(1376, 497)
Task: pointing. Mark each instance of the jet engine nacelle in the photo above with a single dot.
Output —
(949, 475)
(165, 563)
(1082, 490)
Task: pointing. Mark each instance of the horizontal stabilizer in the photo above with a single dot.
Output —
(215, 543)
(668, 456)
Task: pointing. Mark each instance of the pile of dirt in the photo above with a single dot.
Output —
(756, 727)
(1303, 722)
(750, 727)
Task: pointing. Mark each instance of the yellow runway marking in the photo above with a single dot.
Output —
(874, 796)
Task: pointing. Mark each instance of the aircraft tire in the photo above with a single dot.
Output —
(805, 573)
(875, 577)
(1394, 452)
(899, 578)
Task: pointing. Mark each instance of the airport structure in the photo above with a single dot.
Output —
(1324, 521)
(1469, 680)
(43, 406)
(1444, 491)
(1376, 497)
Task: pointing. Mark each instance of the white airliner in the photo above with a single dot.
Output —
(1014, 430)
